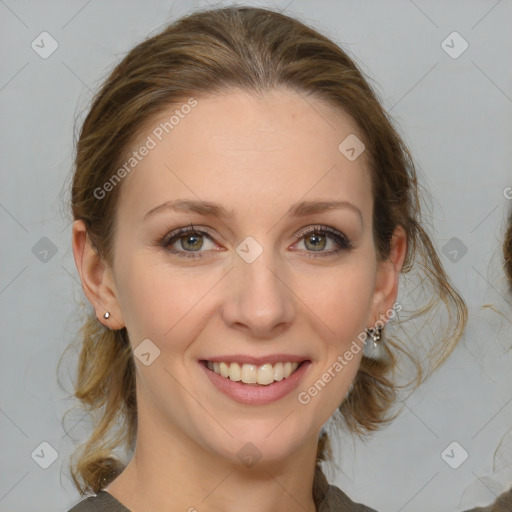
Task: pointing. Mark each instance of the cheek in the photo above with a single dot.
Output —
(158, 301)
(341, 298)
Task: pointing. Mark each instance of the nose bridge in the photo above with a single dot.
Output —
(261, 300)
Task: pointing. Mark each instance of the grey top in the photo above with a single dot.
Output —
(330, 499)
(334, 500)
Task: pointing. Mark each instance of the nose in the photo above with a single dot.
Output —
(259, 300)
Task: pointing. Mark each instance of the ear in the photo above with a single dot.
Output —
(386, 279)
(96, 277)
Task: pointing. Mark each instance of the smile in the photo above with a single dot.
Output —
(253, 381)
(263, 375)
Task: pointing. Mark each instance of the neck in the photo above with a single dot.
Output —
(172, 473)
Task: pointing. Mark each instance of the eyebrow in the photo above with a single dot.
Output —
(300, 209)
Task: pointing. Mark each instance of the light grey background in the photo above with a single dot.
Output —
(456, 115)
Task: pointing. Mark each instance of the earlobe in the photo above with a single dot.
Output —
(96, 277)
(387, 278)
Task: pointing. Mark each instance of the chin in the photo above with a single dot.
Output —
(267, 442)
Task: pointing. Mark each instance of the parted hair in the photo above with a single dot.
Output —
(255, 50)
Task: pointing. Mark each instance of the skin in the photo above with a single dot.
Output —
(256, 156)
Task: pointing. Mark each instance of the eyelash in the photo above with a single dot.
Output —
(339, 238)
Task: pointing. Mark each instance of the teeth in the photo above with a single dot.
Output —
(265, 374)
(224, 369)
(235, 372)
(251, 374)
(278, 371)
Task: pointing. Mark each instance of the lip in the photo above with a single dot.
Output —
(258, 361)
(255, 394)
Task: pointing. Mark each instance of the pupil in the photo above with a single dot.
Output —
(195, 245)
(318, 238)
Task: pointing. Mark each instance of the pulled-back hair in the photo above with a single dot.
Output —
(255, 50)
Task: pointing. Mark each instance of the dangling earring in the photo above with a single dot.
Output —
(106, 316)
(373, 345)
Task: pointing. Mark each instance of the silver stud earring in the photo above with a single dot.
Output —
(106, 316)
(373, 345)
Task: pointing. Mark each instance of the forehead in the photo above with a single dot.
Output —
(277, 147)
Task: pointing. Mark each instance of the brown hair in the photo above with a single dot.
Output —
(502, 504)
(256, 50)
(507, 251)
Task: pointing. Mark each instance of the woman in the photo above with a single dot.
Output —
(243, 211)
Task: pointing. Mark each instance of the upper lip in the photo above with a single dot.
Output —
(245, 359)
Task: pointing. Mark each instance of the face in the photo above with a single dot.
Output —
(264, 276)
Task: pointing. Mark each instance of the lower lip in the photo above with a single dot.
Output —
(255, 394)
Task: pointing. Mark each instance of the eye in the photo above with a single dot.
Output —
(316, 239)
(188, 239)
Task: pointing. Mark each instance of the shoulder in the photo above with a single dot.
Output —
(337, 501)
(102, 502)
